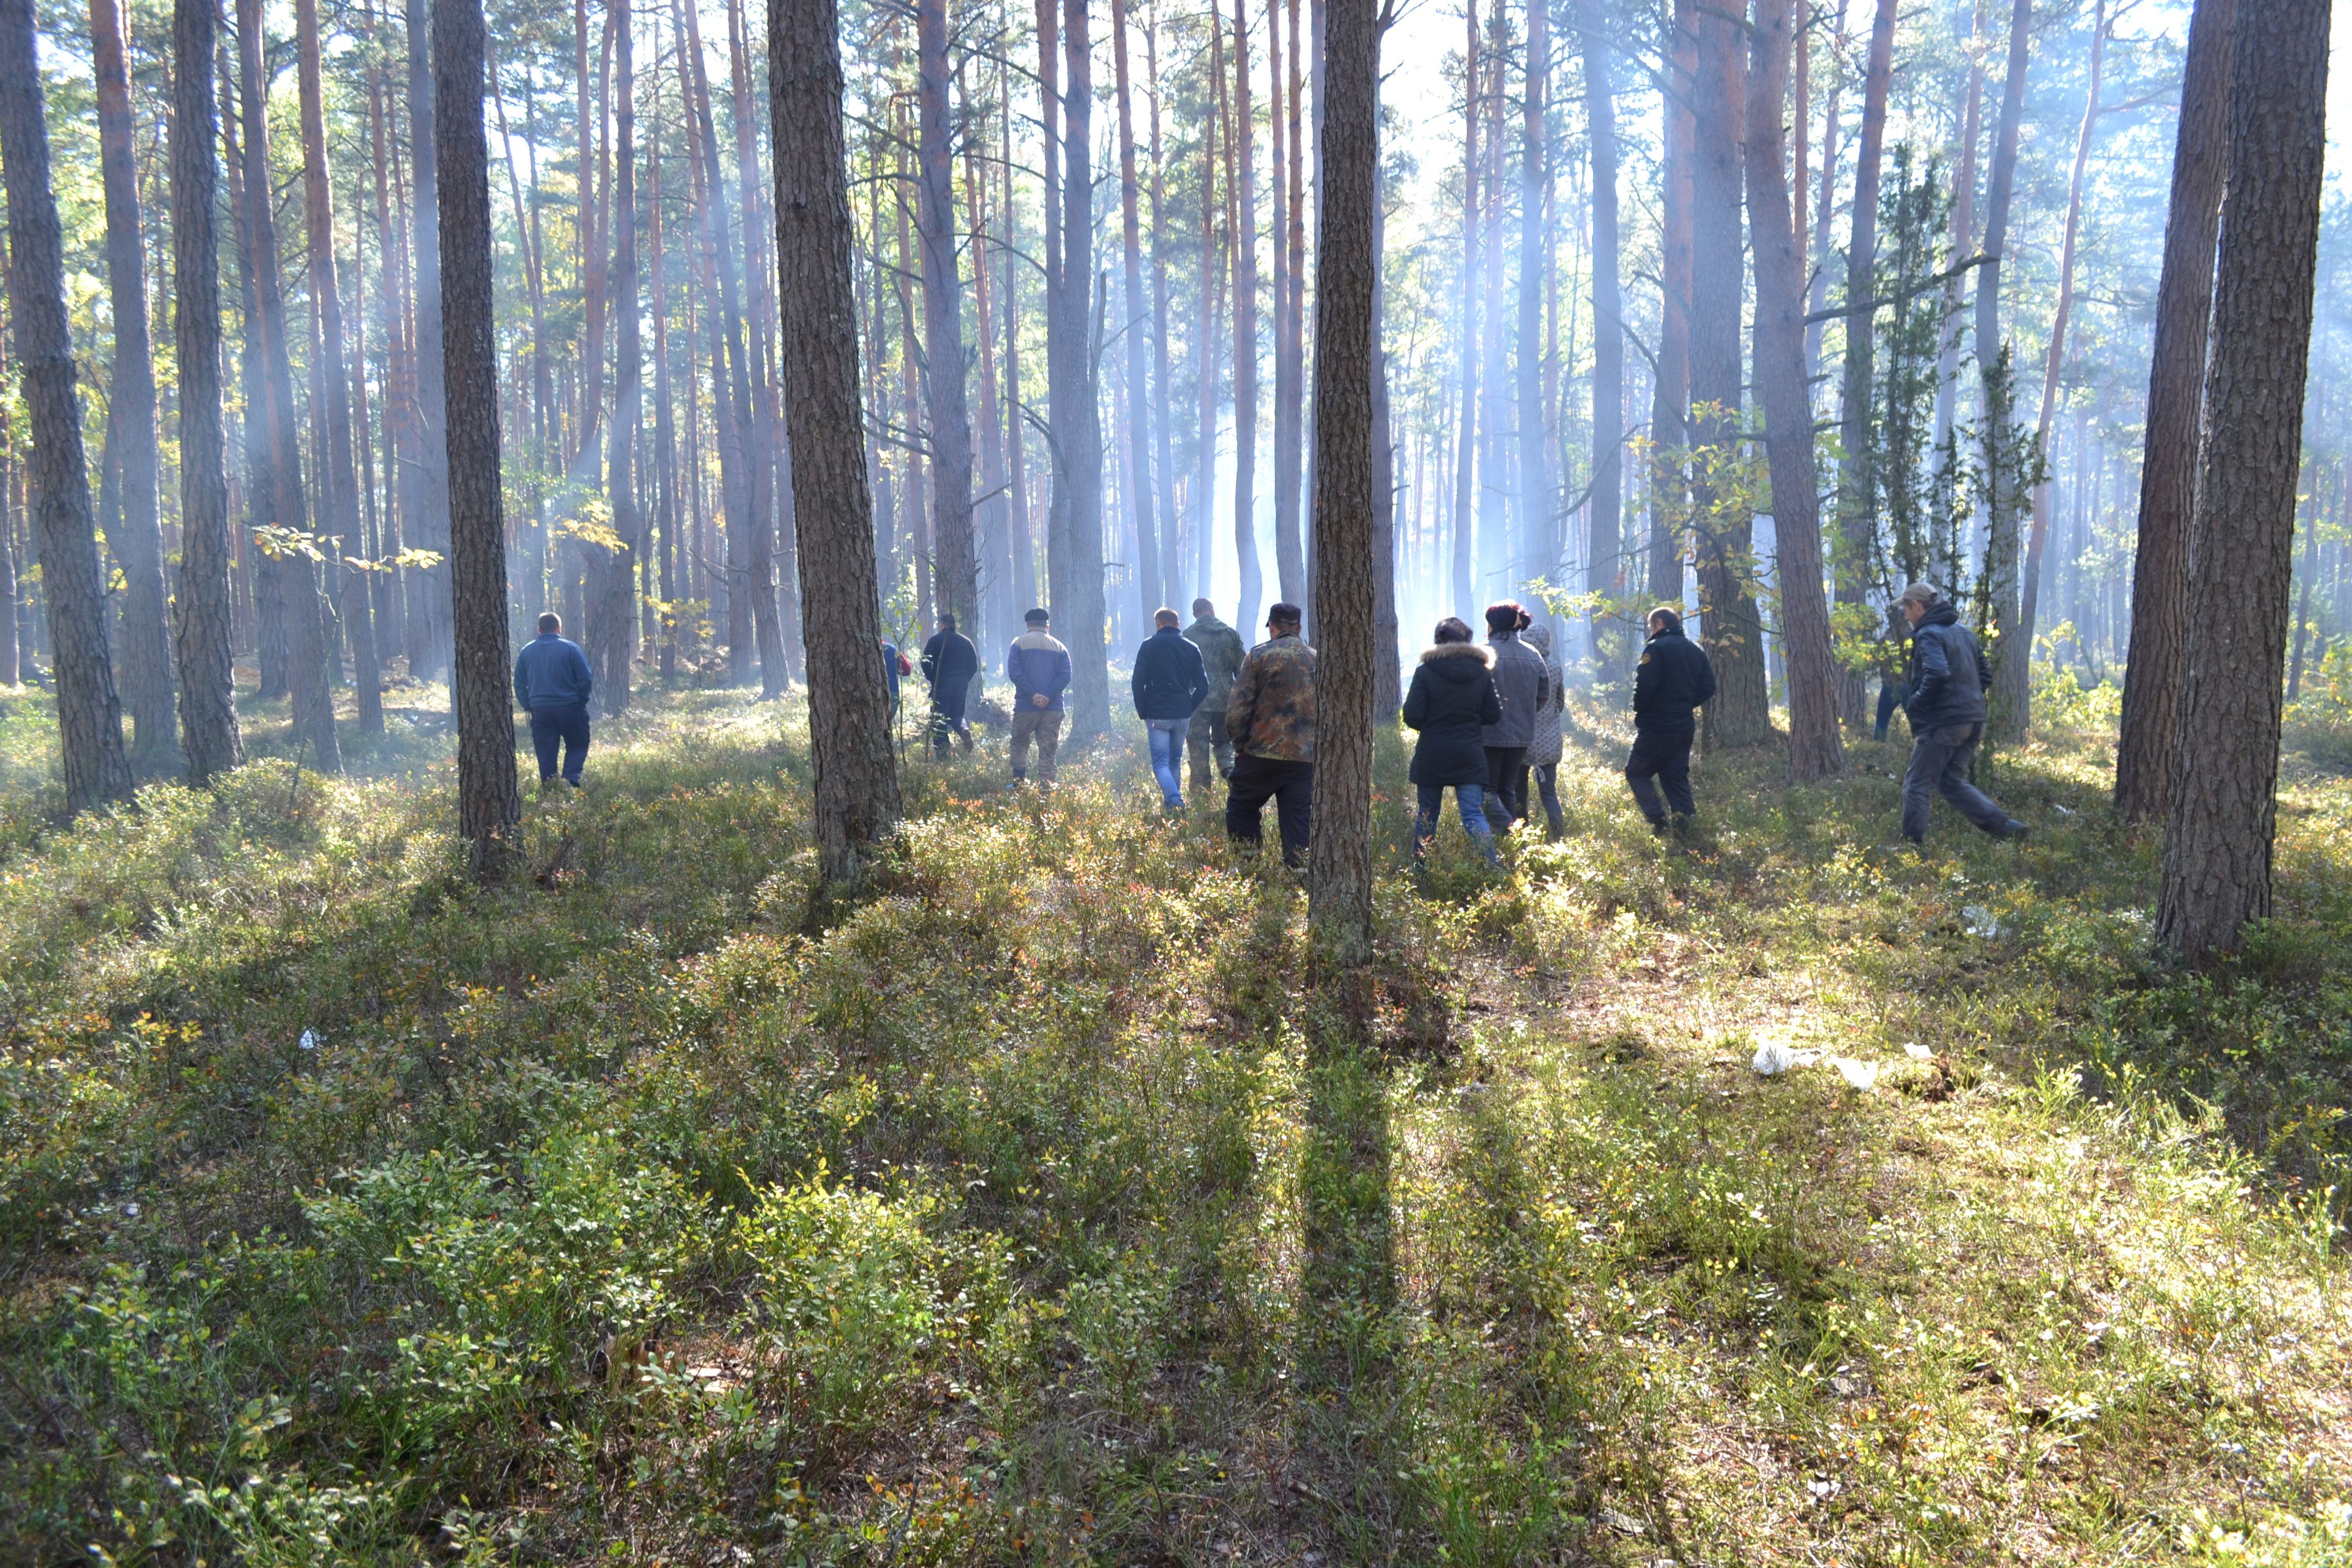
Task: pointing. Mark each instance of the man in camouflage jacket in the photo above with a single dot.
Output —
(1220, 656)
(1271, 718)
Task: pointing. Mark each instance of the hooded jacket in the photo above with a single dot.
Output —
(1672, 678)
(1271, 712)
(1170, 679)
(1520, 682)
(1949, 673)
(1037, 664)
(1451, 701)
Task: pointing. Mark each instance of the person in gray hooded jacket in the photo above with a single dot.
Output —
(1945, 701)
(1522, 683)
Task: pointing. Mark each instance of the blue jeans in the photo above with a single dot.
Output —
(1470, 800)
(1166, 738)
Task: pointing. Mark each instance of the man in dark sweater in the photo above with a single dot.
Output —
(552, 681)
(950, 661)
(1672, 678)
(1944, 698)
(1169, 682)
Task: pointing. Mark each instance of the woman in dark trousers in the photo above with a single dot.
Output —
(1452, 701)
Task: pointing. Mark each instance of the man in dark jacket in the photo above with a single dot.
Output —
(1039, 667)
(1271, 716)
(552, 683)
(1521, 682)
(1221, 655)
(1945, 689)
(950, 661)
(1170, 682)
(1672, 678)
(1451, 701)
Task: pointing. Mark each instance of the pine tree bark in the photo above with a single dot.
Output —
(490, 811)
(2176, 389)
(209, 736)
(1816, 751)
(849, 717)
(1604, 566)
(947, 409)
(339, 486)
(1137, 336)
(612, 618)
(1290, 552)
(1079, 415)
(1172, 572)
(1241, 186)
(1963, 230)
(137, 537)
(1466, 438)
(773, 540)
(89, 715)
(1670, 381)
(307, 646)
(1340, 897)
(427, 527)
(1541, 548)
(1206, 335)
(264, 590)
(2224, 809)
(1857, 482)
(1732, 631)
(2002, 503)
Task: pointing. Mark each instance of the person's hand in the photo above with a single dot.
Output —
(1039, 699)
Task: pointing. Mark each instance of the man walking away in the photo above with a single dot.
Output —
(950, 661)
(1039, 667)
(1545, 750)
(1170, 682)
(553, 684)
(1220, 656)
(1271, 718)
(1945, 688)
(1520, 682)
(1673, 680)
(1451, 701)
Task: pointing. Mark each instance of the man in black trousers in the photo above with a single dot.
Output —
(950, 661)
(1673, 680)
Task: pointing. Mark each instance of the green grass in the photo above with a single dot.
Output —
(1051, 1206)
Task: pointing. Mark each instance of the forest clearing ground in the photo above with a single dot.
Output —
(1048, 1209)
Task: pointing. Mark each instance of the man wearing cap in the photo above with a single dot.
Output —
(1038, 666)
(1271, 718)
(1945, 685)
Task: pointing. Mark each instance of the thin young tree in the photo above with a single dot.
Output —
(2176, 387)
(89, 715)
(947, 409)
(1857, 520)
(2225, 811)
(209, 736)
(849, 716)
(1815, 747)
(490, 810)
(1340, 897)
(134, 529)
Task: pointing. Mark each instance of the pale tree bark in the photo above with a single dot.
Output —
(1670, 379)
(1172, 573)
(612, 616)
(850, 715)
(2001, 499)
(2019, 693)
(1290, 567)
(1857, 488)
(1241, 186)
(265, 596)
(339, 486)
(1388, 673)
(1732, 631)
(209, 736)
(2176, 387)
(2224, 810)
(490, 811)
(1466, 437)
(1077, 405)
(136, 535)
(427, 528)
(1539, 538)
(949, 417)
(1140, 498)
(1963, 230)
(90, 715)
(773, 452)
(1815, 747)
(1205, 336)
(307, 646)
(1604, 565)
(1339, 896)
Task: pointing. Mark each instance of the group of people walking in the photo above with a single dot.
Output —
(1489, 716)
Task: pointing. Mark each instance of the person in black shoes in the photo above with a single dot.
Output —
(1945, 686)
(950, 661)
(1671, 681)
(1451, 702)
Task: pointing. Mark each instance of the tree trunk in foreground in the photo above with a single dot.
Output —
(1345, 267)
(2224, 810)
(849, 708)
(1816, 751)
(2176, 392)
(137, 536)
(488, 810)
(90, 718)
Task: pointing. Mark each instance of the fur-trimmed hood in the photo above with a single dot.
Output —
(1444, 650)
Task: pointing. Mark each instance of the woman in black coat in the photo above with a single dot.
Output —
(1452, 701)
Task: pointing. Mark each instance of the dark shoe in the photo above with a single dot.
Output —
(2014, 831)
(1658, 826)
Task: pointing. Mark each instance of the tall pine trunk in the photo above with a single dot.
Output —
(2225, 811)
(1997, 436)
(1241, 184)
(849, 714)
(1670, 382)
(1604, 567)
(612, 618)
(1541, 548)
(1289, 367)
(1137, 337)
(1172, 573)
(1963, 230)
(2176, 386)
(1465, 463)
(209, 737)
(772, 452)
(137, 537)
(1857, 483)
(427, 528)
(90, 715)
(1079, 416)
(1205, 358)
(947, 411)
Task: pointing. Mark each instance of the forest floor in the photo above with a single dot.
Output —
(1047, 1206)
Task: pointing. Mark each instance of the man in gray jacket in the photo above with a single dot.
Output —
(1946, 684)
(1522, 682)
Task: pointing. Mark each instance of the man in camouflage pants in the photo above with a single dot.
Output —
(1271, 718)
(1221, 655)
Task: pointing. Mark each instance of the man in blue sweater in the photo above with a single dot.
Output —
(553, 682)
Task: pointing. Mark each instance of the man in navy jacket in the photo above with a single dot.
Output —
(1170, 680)
(1672, 678)
(553, 682)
